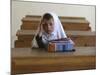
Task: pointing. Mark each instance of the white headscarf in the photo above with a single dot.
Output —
(58, 29)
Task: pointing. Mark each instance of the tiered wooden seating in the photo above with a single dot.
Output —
(81, 38)
(69, 23)
(76, 26)
(26, 60)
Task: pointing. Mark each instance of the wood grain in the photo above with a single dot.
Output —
(38, 60)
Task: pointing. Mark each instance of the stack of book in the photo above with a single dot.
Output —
(61, 45)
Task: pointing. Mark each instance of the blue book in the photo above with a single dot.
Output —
(62, 46)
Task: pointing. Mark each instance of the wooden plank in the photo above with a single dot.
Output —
(62, 20)
(81, 38)
(29, 34)
(39, 60)
(23, 44)
(75, 63)
(69, 23)
(79, 41)
(61, 17)
(32, 32)
(28, 52)
(66, 26)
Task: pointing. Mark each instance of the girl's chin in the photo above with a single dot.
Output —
(49, 32)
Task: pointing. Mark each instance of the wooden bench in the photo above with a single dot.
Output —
(26, 60)
(60, 17)
(69, 23)
(81, 38)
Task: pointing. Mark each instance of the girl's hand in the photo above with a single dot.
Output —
(40, 30)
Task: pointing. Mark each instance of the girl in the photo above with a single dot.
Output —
(50, 28)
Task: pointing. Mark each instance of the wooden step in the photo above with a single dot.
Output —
(67, 20)
(60, 17)
(26, 60)
(66, 26)
(80, 42)
(22, 44)
(81, 38)
(26, 34)
(29, 34)
(69, 23)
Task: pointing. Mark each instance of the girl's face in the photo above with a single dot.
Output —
(48, 25)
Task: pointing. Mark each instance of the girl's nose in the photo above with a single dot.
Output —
(48, 26)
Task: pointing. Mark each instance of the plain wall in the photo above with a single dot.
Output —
(21, 8)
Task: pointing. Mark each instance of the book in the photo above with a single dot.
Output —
(60, 45)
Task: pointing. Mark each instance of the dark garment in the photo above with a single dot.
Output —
(40, 42)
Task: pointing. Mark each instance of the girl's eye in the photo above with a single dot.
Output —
(51, 24)
(44, 24)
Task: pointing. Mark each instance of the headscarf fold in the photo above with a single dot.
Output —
(58, 29)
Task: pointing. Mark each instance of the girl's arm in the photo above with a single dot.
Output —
(39, 41)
